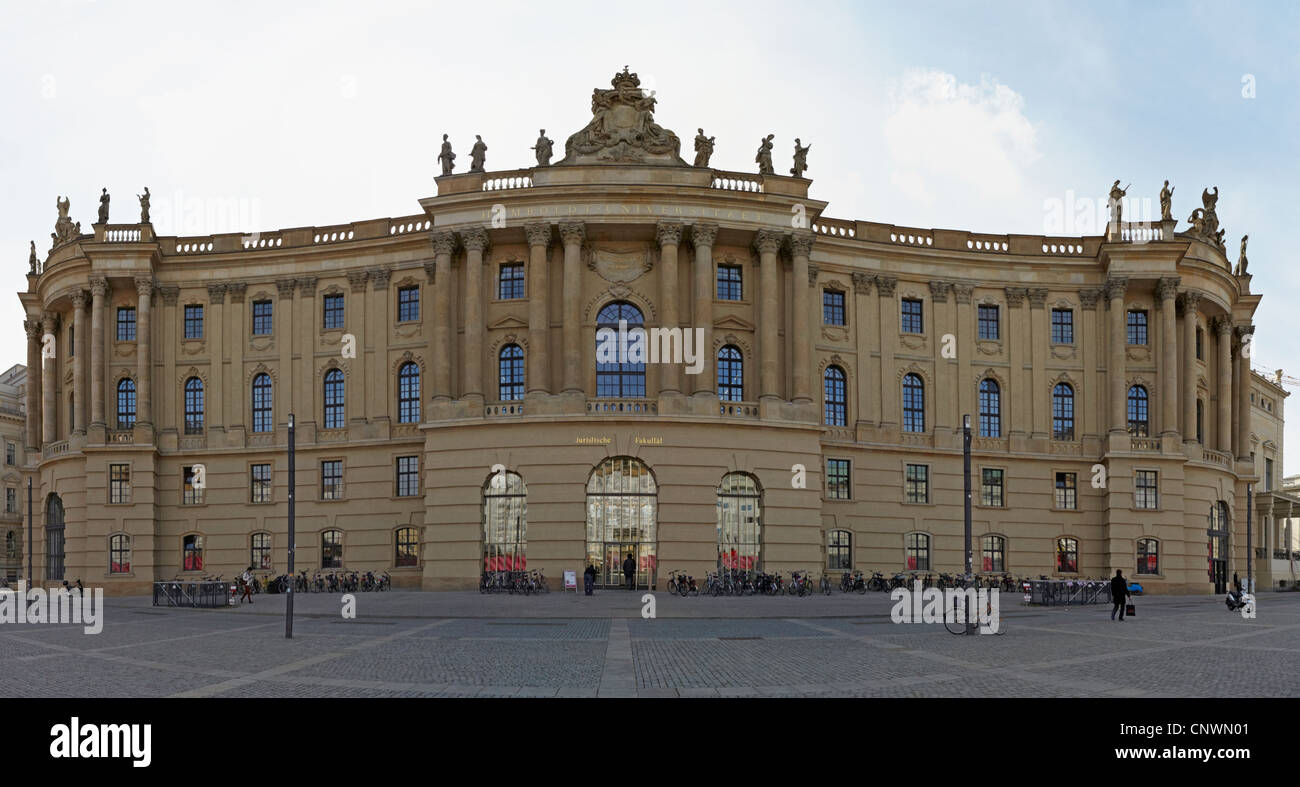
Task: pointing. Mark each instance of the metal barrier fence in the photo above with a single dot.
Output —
(1054, 592)
(191, 594)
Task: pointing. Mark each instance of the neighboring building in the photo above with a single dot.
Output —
(1275, 503)
(476, 424)
(13, 392)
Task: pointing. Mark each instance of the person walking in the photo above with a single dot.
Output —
(589, 579)
(1236, 582)
(246, 579)
(629, 570)
(1118, 595)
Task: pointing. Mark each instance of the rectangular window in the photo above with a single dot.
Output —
(261, 318)
(408, 476)
(988, 322)
(1137, 326)
(331, 479)
(832, 307)
(190, 494)
(10, 454)
(1148, 556)
(1062, 326)
(838, 479)
(260, 557)
(911, 317)
(991, 487)
(1200, 351)
(510, 284)
(259, 483)
(333, 306)
(119, 483)
(1067, 493)
(126, 324)
(839, 550)
(917, 484)
(408, 304)
(193, 321)
(1268, 474)
(729, 283)
(11, 500)
(1145, 494)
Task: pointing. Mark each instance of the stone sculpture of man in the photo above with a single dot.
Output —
(103, 206)
(800, 159)
(144, 206)
(477, 155)
(1241, 260)
(543, 149)
(764, 157)
(32, 261)
(1115, 203)
(1166, 203)
(446, 157)
(703, 149)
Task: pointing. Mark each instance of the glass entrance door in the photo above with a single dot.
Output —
(621, 521)
(615, 554)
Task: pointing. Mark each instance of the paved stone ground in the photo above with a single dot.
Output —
(409, 644)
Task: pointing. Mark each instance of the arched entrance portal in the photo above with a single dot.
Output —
(54, 538)
(622, 517)
(1218, 546)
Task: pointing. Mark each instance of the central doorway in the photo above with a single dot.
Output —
(1217, 548)
(622, 518)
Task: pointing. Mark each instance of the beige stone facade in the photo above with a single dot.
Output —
(13, 419)
(1103, 376)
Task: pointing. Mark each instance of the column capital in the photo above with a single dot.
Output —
(1037, 297)
(669, 233)
(767, 241)
(1016, 295)
(939, 290)
(236, 290)
(306, 286)
(79, 299)
(356, 280)
(801, 243)
(169, 293)
(98, 285)
(814, 270)
(284, 287)
(33, 328)
(380, 276)
(539, 233)
(1167, 288)
(1221, 326)
(862, 283)
(144, 286)
(475, 239)
(1088, 298)
(216, 294)
(886, 285)
(1115, 287)
(430, 269)
(444, 242)
(962, 293)
(573, 232)
(49, 321)
(1190, 301)
(704, 234)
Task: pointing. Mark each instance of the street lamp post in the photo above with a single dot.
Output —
(288, 602)
(965, 459)
(1250, 586)
(30, 580)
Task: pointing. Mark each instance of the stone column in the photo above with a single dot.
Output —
(962, 295)
(34, 333)
(49, 379)
(1088, 339)
(444, 243)
(1223, 331)
(475, 241)
(1015, 421)
(1191, 300)
(215, 392)
(143, 342)
(287, 388)
(378, 406)
(1166, 293)
(669, 234)
(1241, 427)
(98, 291)
(868, 405)
(1040, 400)
(801, 244)
(539, 240)
(1115, 289)
(79, 363)
(572, 233)
(945, 376)
(703, 236)
(767, 242)
(236, 333)
(354, 392)
(890, 388)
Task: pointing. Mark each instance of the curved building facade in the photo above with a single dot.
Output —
(462, 401)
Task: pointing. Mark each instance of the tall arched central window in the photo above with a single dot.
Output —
(1138, 425)
(54, 531)
(1062, 412)
(408, 393)
(622, 521)
(125, 403)
(511, 369)
(731, 375)
(913, 404)
(617, 376)
(836, 396)
(334, 399)
(194, 406)
(505, 522)
(262, 403)
(740, 526)
(990, 408)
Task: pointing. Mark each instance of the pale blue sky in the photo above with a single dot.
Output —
(244, 116)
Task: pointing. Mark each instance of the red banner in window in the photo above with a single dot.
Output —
(911, 563)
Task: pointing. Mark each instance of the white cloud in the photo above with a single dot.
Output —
(957, 142)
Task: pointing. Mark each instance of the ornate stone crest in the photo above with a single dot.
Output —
(622, 129)
(619, 266)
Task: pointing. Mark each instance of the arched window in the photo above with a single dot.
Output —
(839, 550)
(620, 357)
(990, 408)
(194, 406)
(836, 396)
(331, 549)
(125, 403)
(1063, 412)
(1200, 421)
(918, 552)
(913, 404)
(54, 538)
(259, 553)
(505, 522)
(1138, 426)
(511, 368)
(408, 393)
(994, 553)
(334, 399)
(731, 375)
(740, 527)
(1067, 555)
(119, 554)
(192, 552)
(1148, 556)
(262, 403)
(1218, 546)
(622, 521)
(407, 544)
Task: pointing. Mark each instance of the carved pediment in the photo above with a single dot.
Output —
(622, 129)
(510, 321)
(731, 322)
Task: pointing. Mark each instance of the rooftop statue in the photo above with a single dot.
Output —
(446, 157)
(1166, 203)
(32, 261)
(103, 207)
(622, 129)
(65, 229)
(800, 159)
(543, 149)
(1241, 260)
(1209, 200)
(764, 157)
(144, 205)
(1116, 203)
(477, 155)
(703, 149)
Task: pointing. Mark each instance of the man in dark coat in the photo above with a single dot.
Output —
(589, 578)
(1118, 595)
(629, 570)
